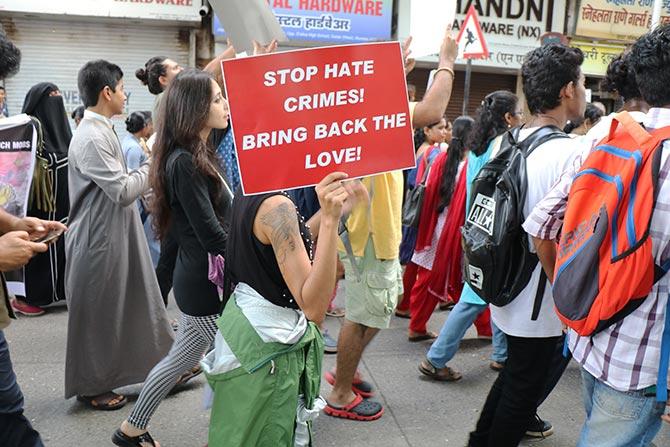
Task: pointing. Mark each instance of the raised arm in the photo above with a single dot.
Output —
(276, 223)
(434, 103)
(214, 66)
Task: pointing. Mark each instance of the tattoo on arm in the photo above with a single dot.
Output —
(283, 222)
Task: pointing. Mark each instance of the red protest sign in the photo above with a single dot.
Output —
(299, 115)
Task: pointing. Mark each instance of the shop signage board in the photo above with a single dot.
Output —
(330, 21)
(597, 56)
(177, 10)
(624, 20)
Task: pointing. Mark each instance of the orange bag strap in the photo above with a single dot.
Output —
(632, 127)
(660, 134)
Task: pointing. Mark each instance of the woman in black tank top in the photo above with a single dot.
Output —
(280, 282)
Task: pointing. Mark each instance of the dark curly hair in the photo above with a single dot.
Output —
(490, 119)
(650, 60)
(10, 57)
(459, 135)
(545, 71)
(620, 78)
(183, 113)
(150, 74)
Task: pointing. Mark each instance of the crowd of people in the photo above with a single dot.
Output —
(254, 276)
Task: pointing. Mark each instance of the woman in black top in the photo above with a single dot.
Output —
(191, 201)
(280, 284)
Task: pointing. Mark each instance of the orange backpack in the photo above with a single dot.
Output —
(605, 266)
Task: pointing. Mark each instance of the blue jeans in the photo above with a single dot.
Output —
(15, 429)
(618, 419)
(459, 320)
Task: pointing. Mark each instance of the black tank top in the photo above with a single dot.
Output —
(250, 261)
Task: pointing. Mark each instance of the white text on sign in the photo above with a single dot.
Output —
(330, 71)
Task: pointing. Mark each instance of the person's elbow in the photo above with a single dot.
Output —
(315, 316)
(426, 114)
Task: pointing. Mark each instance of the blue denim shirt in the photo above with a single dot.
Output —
(228, 160)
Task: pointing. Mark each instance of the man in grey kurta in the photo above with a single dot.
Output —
(118, 328)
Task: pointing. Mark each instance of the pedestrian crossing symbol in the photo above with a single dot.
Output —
(471, 42)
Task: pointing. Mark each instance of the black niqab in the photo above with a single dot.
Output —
(50, 110)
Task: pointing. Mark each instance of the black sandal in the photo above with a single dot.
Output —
(123, 440)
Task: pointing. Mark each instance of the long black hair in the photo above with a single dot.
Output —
(460, 133)
(184, 112)
(490, 119)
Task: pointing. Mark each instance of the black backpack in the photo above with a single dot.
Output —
(497, 261)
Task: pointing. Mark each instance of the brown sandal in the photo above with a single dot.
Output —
(445, 374)
(422, 337)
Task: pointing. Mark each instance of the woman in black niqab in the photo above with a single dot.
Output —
(45, 273)
(44, 102)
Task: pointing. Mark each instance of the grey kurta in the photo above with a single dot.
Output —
(117, 325)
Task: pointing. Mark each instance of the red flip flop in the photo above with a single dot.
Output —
(358, 410)
(359, 386)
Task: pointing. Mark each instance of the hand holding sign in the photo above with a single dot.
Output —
(332, 195)
(316, 111)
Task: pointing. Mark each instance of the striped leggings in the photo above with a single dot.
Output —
(194, 337)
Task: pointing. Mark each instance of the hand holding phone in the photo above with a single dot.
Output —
(50, 237)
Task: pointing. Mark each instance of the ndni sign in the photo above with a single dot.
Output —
(511, 28)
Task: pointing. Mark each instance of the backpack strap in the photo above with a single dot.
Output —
(541, 136)
(632, 127)
(662, 380)
(427, 162)
(539, 295)
(344, 234)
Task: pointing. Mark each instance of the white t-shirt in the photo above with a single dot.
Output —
(544, 166)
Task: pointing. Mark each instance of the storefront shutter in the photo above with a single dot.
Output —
(54, 51)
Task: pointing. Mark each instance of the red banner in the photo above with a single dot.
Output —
(300, 115)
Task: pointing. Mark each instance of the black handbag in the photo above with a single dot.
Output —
(411, 210)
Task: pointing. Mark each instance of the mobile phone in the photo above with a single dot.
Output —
(51, 236)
